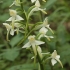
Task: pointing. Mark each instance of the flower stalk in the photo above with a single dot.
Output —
(40, 62)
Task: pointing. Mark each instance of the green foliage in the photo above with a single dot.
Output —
(16, 40)
(24, 67)
(13, 58)
(10, 54)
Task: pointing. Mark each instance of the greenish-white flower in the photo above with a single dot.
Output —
(55, 58)
(33, 42)
(14, 16)
(16, 3)
(43, 32)
(10, 29)
(36, 8)
(44, 24)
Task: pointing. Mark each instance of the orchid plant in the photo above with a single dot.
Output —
(34, 39)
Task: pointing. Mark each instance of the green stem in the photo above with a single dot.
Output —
(26, 29)
(21, 4)
(40, 62)
(26, 36)
(51, 65)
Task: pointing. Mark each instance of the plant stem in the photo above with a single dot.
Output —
(26, 36)
(40, 62)
(21, 4)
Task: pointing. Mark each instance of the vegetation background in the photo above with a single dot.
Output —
(13, 57)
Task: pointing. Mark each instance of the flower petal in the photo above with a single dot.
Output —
(12, 13)
(50, 28)
(39, 42)
(47, 37)
(18, 18)
(8, 27)
(10, 19)
(42, 11)
(37, 4)
(43, 30)
(54, 54)
(58, 56)
(53, 61)
(27, 45)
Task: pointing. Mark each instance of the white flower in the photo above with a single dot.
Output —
(14, 16)
(45, 24)
(36, 8)
(32, 42)
(16, 2)
(10, 28)
(55, 58)
(43, 32)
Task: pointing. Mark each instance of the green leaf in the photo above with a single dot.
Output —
(24, 67)
(64, 52)
(2, 45)
(61, 34)
(50, 3)
(11, 54)
(15, 40)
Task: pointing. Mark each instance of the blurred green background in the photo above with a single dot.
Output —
(13, 57)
